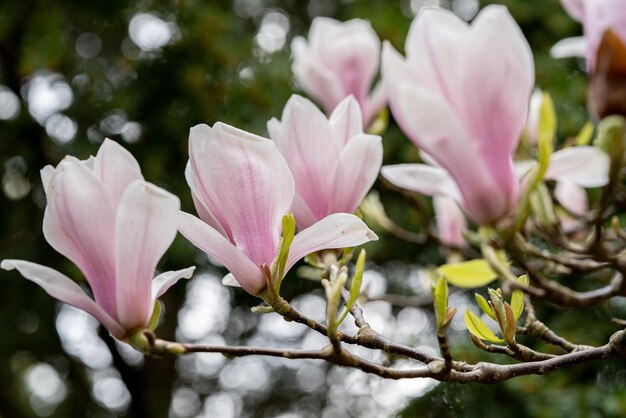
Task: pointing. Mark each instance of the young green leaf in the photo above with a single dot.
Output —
(478, 328)
(585, 135)
(469, 274)
(517, 298)
(156, 315)
(484, 305)
(289, 231)
(545, 132)
(440, 298)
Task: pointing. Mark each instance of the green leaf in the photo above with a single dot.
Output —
(440, 298)
(469, 274)
(478, 328)
(156, 315)
(484, 305)
(585, 135)
(289, 231)
(517, 298)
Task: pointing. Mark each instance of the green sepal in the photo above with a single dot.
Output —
(278, 270)
(478, 328)
(468, 274)
(346, 256)
(484, 306)
(355, 288)
(440, 298)
(585, 135)
(517, 298)
(156, 315)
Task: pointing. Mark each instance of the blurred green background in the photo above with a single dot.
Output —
(142, 73)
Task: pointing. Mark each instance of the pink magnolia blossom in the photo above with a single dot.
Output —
(242, 187)
(339, 59)
(115, 227)
(597, 16)
(462, 95)
(333, 162)
(450, 221)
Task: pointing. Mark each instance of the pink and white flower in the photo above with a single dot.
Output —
(334, 163)
(115, 227)
(242, 188)
(339, 59)
(461, 96)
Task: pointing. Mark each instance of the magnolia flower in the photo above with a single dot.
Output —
(462, 96)
(450, 221)
(597, 16)
(340, 59)
(115, 227)
(242, 187)
(333, 162)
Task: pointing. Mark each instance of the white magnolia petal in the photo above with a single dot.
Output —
(346, 120)
(572, 197)
(358, 168)
(339, 230)
(64, 289)
(229, 280)
(116, 168)
(585, 166)
(164, 281)
(422, 178)
(146, 223)
(203, 236)
(574, 47)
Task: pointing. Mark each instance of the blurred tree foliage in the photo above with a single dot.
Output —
(215, 64)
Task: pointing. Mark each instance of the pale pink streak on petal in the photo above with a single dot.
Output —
(573, 47)
(146, 223)
(422, 178)
(302, 213)
(164, 281)
(248, 274)
(450, 221)
(243, 178)
(64, 289)
(79, 222)
(116, 168)
(309, 146)
(346, 121)
(359, 164)
(339, 230)
(204, 212)
(585, 166)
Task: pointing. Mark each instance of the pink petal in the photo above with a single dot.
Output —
(79, 222)
(450, 221)
(358, 168)
(245, 182)
(164, 281)
(319, 82)
(116, 168)
(339, 230)
(64, 289)
(147, 218)
(311, 150)
(302, 213)
(575, 8)
(585, 166)
(422, 178)
(346, 120)
(246, 272)
(376, 101)
(204, 212)
(572, 197)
